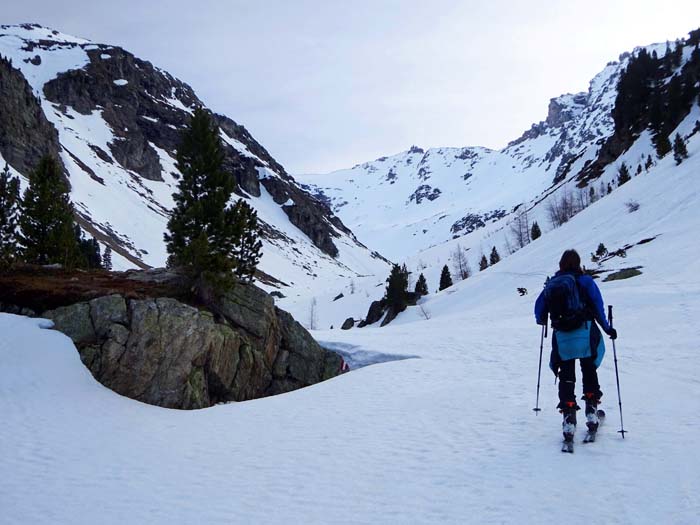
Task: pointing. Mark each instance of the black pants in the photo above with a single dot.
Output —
(567, 380)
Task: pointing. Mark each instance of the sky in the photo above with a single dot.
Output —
(324, 85)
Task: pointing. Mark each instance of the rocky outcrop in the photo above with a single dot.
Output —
(165, 352)
(25, 134)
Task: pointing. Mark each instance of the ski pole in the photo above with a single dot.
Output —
(537, 408)
(617, 376)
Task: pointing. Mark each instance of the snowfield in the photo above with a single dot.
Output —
(446, 437)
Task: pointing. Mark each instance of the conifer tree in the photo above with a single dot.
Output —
(89, 251)
(9, 217)
(421, 286)
(592, 197)
(535, 233)
(662, 144)
(483, 263)
(205, 236)
(47, 221)
(494, 257)
(649, 163)
(247, 250)
(680, 152)
(623, 174)
(107, 259)
(397, 285)
(445, 278)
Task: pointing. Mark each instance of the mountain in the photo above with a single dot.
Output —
(413, 201)
(114, 120)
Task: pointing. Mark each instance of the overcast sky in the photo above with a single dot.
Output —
(324, 85)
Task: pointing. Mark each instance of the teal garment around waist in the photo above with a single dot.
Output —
(583, 342)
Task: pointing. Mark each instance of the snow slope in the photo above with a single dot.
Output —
(447, 437)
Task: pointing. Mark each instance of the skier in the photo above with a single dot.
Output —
(572, 301)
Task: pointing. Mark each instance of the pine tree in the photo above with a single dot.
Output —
(445, 278)
(421, 286)
(47, 221)
(247, 248)
(483, 263)
(680, 152)
(9, 217)
(623, 175)
(205, 236)
(89, 251)
(535, 233)
(397, 285)
(494, 257)
(107, 259)
(662, 144)
(592, 197)
(649, 163)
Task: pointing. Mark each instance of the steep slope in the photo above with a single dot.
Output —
(117, 120)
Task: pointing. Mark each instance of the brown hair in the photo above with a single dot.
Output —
(570, 261)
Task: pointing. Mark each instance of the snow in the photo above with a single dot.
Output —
(434, 423)
(445, 433)
(121, 82)
(240, 147)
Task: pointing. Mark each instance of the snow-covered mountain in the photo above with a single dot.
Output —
(418, 199)
(423, 206)
(114, 121)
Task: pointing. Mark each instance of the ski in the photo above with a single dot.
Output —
(567, 446)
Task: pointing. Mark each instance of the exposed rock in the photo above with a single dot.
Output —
(25, 134)
(425, 191)
(162, 351)
(374, 314)
(348, 324)
(339, 296)
(472, 222)
(563, 109)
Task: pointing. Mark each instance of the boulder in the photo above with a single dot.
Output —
(348, 324)
(167, 353)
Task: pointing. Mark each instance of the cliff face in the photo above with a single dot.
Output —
(25, 134)
(157, 349)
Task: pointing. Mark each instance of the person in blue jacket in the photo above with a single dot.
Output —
(584, 343)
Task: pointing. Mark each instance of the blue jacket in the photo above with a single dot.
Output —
(585, 341)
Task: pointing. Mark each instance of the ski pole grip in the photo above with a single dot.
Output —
(610, 316)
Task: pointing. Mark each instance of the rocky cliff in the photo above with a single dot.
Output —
(138, 335)
(25, 134)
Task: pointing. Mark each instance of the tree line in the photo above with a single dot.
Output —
(38, 226)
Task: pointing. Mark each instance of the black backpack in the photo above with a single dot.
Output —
(565, 302)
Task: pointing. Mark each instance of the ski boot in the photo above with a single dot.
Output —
(568, 425)
(591, 411)
(593, 416)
